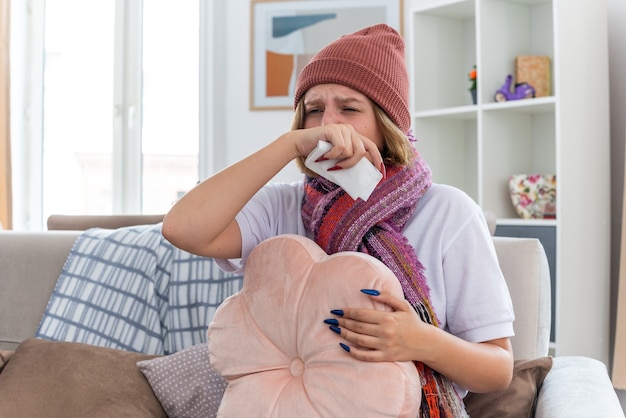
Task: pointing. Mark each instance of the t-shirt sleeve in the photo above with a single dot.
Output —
(274, 210)
(479, 306)
(467, 287)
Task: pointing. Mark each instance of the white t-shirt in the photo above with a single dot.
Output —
(450, 236)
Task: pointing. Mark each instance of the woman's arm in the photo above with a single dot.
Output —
(402, 336)
(203, 220)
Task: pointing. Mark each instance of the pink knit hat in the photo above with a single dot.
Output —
(370, 61)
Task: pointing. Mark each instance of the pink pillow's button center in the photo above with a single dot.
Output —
(296, 368)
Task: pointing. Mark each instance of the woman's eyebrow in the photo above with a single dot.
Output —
(312, 101)
(345, 100)
(348, 99)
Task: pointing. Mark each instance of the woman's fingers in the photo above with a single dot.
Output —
(348, 146)
(394, 302)
(375, 335)
(346, 142)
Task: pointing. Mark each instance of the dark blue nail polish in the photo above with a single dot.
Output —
(331, 321)
(345, 347)
(337, 312)
(372, 292)
(335, 329)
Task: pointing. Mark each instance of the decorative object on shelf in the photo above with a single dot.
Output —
(511, 91)
(473, 76)
(534, 70)
(533, 195)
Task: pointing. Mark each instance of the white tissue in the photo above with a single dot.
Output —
(359, 180)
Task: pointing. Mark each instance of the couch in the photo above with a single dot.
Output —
(30, 263)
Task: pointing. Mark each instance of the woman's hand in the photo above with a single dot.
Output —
(401, 335)
(383, 336)
(348, 145)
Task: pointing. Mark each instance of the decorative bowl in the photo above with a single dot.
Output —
(533, 195)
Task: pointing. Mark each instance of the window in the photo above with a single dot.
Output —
(77, 138)
(170, 102)
(119, 117)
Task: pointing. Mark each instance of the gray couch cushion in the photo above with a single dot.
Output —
(31, 263)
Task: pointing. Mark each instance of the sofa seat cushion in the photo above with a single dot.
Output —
(61, 379)
(269, 340)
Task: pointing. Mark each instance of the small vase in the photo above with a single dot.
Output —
(473, 93)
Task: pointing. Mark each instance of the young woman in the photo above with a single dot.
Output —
(456, 318)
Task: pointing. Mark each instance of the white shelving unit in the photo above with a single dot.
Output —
(476, 147)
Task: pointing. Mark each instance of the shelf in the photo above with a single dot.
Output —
(528, 2)
(477, 147)
(447, 57)
(510, 29)
(456, 9)
(526, 222)
(530, 106)
(536, 105)
(460, 112)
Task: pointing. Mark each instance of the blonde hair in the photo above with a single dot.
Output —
(397, 150)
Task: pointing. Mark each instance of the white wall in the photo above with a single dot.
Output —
(244, 130)
(617, 69)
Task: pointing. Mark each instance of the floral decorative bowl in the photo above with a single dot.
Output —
(533, 195)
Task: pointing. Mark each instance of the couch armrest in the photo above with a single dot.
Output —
(577, 387)
(525, 267)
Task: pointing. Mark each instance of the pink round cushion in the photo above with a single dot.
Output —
(269, 340)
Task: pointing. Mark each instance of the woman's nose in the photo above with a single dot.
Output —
(330, 117)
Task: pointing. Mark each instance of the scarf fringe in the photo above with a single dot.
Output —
(439, 395)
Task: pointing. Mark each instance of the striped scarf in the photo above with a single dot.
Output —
(338, 223)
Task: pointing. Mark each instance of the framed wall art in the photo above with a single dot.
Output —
(286, 34)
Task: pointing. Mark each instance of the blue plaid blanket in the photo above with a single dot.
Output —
(130, 289)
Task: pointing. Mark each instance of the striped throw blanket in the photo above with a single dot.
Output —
(130, 289)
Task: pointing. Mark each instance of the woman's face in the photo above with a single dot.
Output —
(325, 104)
